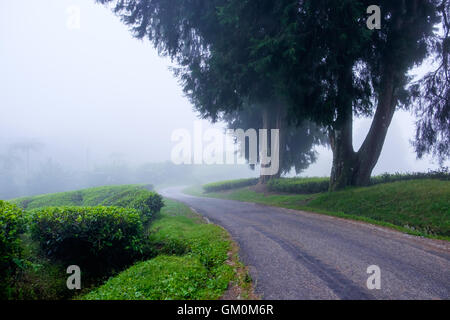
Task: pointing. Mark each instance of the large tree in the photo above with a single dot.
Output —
(353, 71)
(297, 149)
(298, 60)
(431, 95)
(231, 54)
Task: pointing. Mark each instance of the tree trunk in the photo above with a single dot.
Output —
(277, 121)
(355, 169)
(341, 142)
(370, 151)
(341, 134)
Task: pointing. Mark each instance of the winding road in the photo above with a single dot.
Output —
(296, 255)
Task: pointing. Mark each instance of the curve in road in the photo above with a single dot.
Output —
(296, 255)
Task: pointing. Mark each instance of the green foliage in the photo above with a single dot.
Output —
(38, 277)
(191, 265)
(148, 203)
(316, 59)
(318, 185)
(431, 97)
(187, 234)
(11, 226)
(162, 278)
(442, 174)
(231, 184)
(299, 185)
(95, 238)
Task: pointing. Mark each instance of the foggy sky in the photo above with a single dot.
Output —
(92, 92)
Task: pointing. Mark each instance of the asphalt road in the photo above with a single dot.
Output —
(297, 255)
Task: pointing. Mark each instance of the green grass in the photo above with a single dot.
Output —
(418, 207)
(290, 201)
(191, 263)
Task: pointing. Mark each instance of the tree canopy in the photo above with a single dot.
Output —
(307, 60)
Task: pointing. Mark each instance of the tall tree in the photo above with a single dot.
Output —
(298, 60)
(231, 53)
(355, 71)
(431, 96)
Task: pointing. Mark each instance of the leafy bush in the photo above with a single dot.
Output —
(11, 226)
(299, 185)
(442, 174)
(231, 184)
(95, 238)
(120, 196)
(146, 202)
(319, 185)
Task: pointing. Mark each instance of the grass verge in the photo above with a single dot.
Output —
(195, 261)
(417, 207)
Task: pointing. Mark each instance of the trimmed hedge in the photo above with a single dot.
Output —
(11, 226)
(231, 184)
(148, 205)
(94, 238)
(119, 196)
(146, 202)
(299, 185)
(319, 185)
(442, 174)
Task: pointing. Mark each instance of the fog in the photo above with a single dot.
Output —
(77, 103)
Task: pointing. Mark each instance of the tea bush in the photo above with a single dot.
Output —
(148, 204)
(441, 174)
(299, 185)
(231, 184)
(319, 185)
(11, 226)
(95, 238)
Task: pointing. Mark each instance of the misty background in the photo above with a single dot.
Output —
(91, 106)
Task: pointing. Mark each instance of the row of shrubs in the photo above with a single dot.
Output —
(299, 185)
(99, 196)
(11, 226)
(99, 239)
(318, 185)
(94, 238)
(228, 185)
(442, 174)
